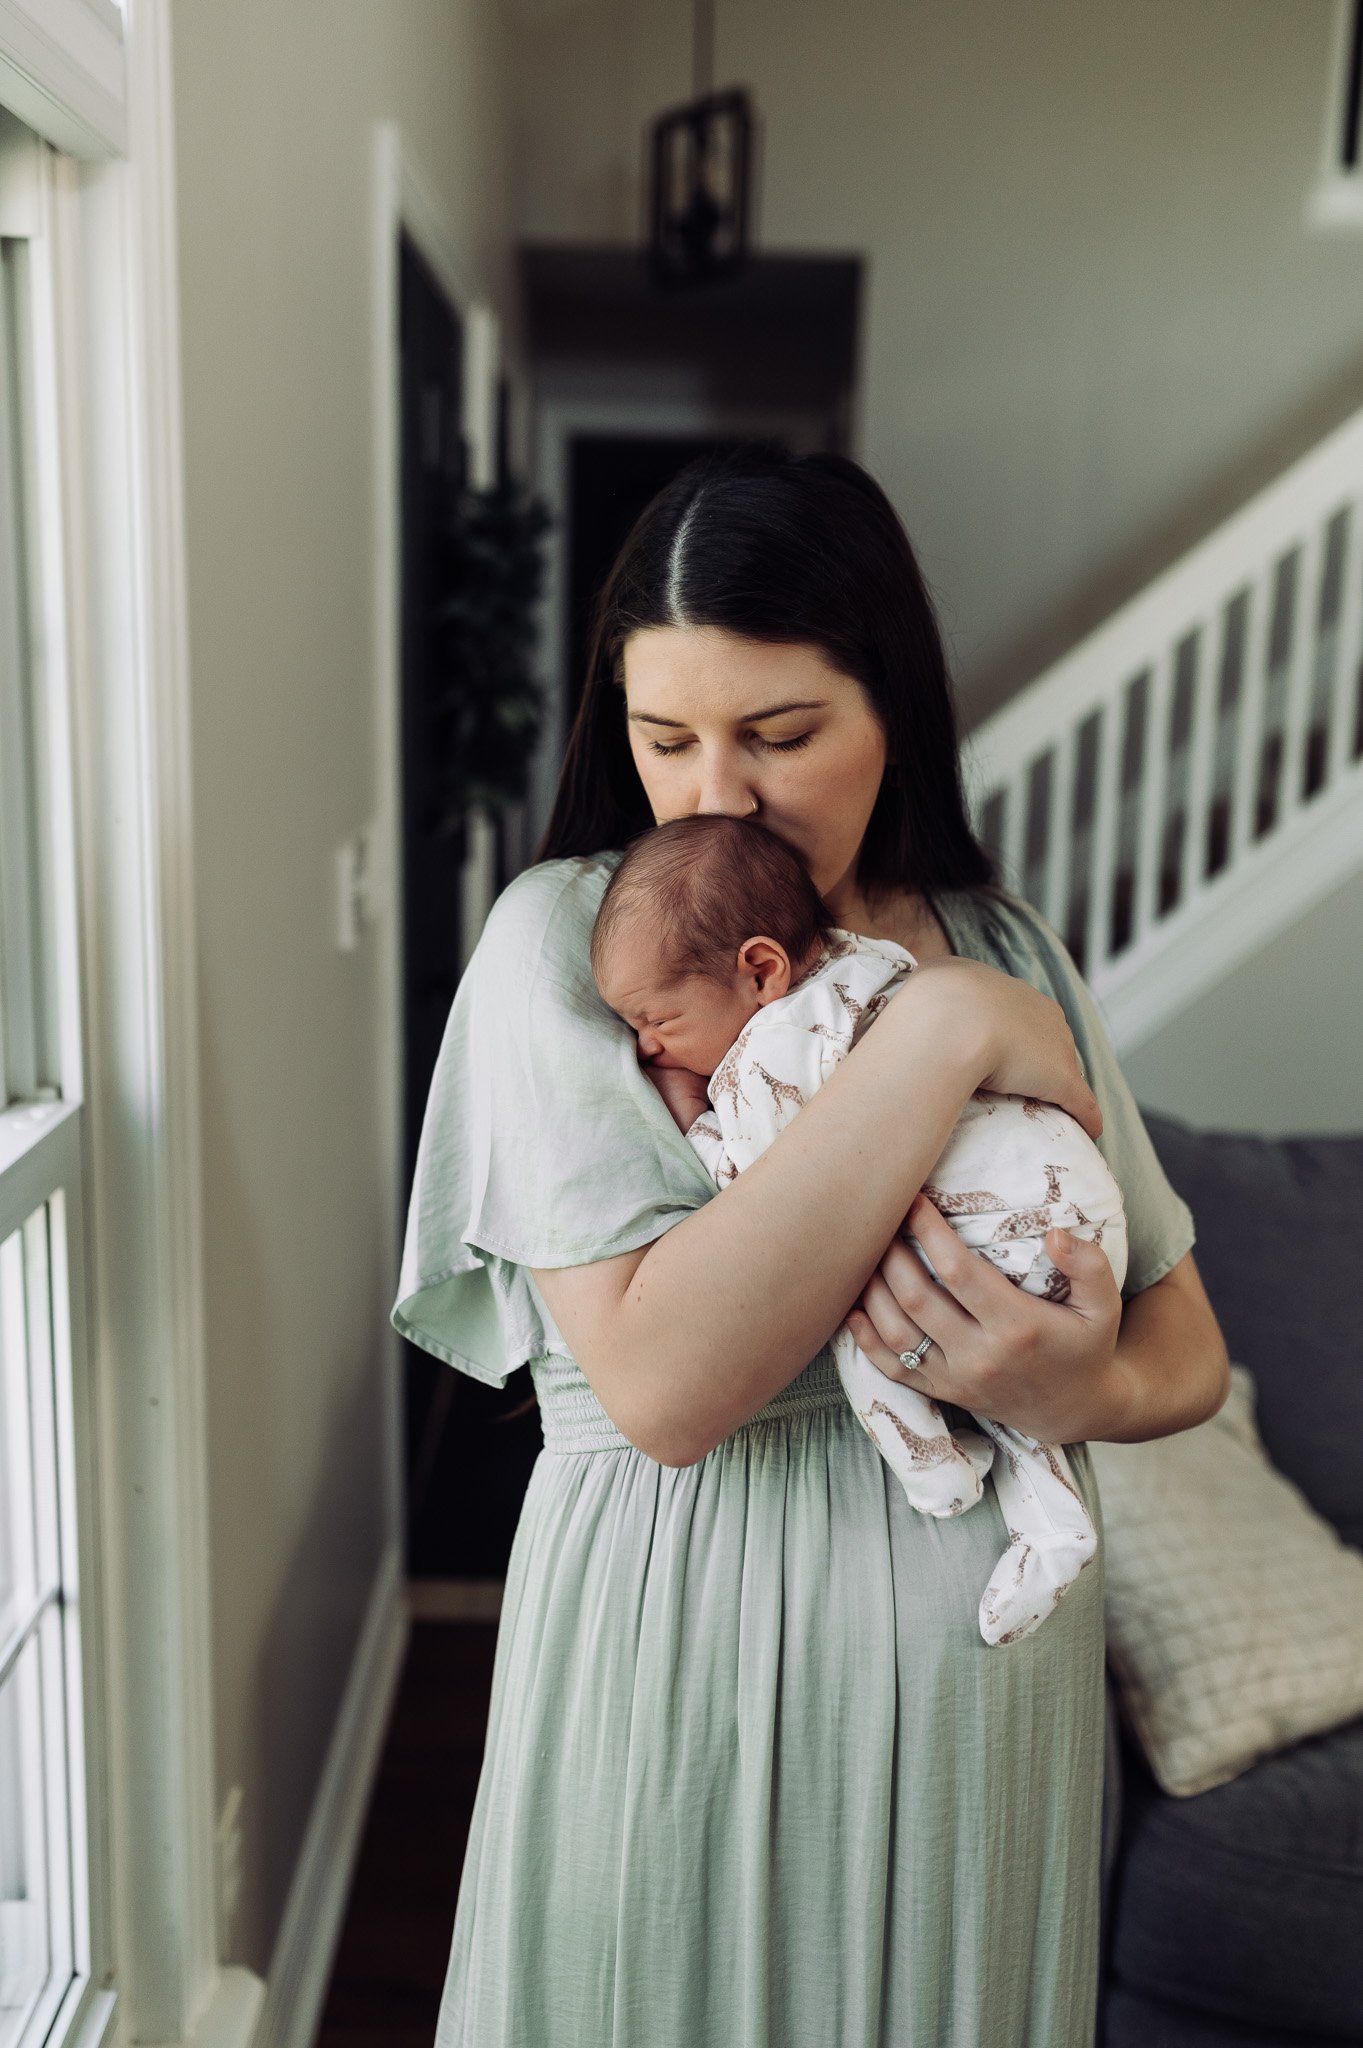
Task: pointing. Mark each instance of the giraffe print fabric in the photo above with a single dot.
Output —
(1012, 1169)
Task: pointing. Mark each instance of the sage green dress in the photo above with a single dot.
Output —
(752, 1778)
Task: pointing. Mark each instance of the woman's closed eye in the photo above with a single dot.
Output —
(769, 746)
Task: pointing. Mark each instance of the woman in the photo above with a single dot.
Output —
(751, 1775)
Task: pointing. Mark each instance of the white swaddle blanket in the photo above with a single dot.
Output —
(1012, 1170)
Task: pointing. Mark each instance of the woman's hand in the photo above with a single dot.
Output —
(1047, 1368)
(684, 1092)
(1017, 1040)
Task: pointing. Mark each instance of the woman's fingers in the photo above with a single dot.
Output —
(888, 1361)
(1085, 1266)
(973, 1281)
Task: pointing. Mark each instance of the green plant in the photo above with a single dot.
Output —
(487, 707)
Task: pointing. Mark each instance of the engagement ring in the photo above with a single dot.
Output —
(914, 1359)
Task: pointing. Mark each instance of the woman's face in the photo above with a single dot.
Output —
(741, 728)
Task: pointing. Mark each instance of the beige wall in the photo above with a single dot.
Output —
(1278, 1045)
(1094, 316)
(275, 108)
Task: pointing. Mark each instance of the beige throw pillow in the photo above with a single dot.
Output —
(1234, 1612)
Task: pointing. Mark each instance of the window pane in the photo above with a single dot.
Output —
(25, 1930)
(36, 1902)
(17, 1563)
(21, 976)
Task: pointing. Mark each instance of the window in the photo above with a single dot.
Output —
(44, 1853)
(1337, 199)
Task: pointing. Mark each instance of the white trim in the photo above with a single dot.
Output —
(62, 71)
(86, 2019)
(1334, 205)
(482, 352)
(119, 365)
(300, 1967)
(232, 2016)
(404, 202)
(455, 1599)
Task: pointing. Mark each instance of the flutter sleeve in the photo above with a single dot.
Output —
(543, 1143)
(1009, 933)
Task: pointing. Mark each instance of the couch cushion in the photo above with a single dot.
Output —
(1234, 1611)
(1246, 1903)
(1279, 1235)
(1130, 2021)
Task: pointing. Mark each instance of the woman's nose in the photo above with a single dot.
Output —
(723, 791)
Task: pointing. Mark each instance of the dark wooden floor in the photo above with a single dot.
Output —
(395, 1942)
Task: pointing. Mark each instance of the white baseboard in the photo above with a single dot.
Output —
(454, 1599)
(233, 2012)
(300, 1967)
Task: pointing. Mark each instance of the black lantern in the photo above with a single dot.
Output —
(702, 156)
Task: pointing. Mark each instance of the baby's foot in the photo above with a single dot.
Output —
(1031, 1579)
(940, 1473)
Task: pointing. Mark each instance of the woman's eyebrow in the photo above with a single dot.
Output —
(747, 717)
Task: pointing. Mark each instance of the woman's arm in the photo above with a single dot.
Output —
(1089, 1367)
(683, 1340)
(1171, 1367)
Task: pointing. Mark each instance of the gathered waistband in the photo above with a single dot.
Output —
(574, 1420)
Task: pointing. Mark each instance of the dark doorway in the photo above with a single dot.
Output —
(466, 1466)
(611, 477)
(433, 461)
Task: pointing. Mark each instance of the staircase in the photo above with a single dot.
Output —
(1188, 780)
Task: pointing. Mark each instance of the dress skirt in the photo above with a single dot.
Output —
(753, 1779)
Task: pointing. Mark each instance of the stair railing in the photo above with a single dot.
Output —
(1189, 778)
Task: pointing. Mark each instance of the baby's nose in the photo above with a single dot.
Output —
(649, 1043)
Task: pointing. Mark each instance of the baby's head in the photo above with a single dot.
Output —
(704, 921)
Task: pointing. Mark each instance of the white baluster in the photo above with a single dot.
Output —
(1014, 826)
(1253, 695)
(1154, 781)
(1301, 659)
(1059, 837)
(1106, 787)
(1206, 683)
(1344, 702)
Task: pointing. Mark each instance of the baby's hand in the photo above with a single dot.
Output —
(682, 1091)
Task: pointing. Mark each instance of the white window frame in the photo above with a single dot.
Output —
(1334, 204)
(43, 1144)
(111, 482)
(62, 72)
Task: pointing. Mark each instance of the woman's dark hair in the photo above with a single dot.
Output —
(788, 549)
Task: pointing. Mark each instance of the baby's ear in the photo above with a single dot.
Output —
(765, 965)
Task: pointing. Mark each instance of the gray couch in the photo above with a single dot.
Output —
(1235, 1919)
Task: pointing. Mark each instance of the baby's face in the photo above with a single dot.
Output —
(687, 1020)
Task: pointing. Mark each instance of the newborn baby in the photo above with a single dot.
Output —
(712, 943)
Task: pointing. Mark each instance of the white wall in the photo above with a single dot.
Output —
(275, 105)
(1094, 318)
(1278, 1046)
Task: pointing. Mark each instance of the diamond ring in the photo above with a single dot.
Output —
(914, 1359)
